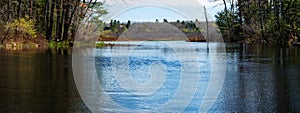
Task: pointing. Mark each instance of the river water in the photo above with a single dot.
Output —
(250, 78)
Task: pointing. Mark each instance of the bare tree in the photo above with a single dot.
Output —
(9, 14)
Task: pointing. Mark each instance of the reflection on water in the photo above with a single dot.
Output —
(259, 78)
(38, 81)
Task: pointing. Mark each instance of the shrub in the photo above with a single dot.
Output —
(23, 26)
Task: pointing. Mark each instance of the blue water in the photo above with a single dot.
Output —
(137, 61)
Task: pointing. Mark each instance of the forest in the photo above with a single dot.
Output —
(260, 21)
(44, 22)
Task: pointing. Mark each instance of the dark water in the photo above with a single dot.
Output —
(261, 79)
(38, 81)
(258, 79)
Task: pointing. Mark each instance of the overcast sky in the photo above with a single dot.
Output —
(149, 10)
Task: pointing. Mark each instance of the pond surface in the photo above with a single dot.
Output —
(258, 78)
(38, 81)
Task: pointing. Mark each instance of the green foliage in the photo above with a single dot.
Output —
(23, 26)
(261, 21)
(63, 44)
(97, 11)
(100, 44)
(199, 30)
(222, 20)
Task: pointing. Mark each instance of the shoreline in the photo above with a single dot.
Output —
(25, 44)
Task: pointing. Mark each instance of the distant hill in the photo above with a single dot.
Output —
(185, 30)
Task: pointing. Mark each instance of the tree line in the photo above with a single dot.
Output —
(54, 20)
(250, 21)
(260, 21)
(112, 30)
